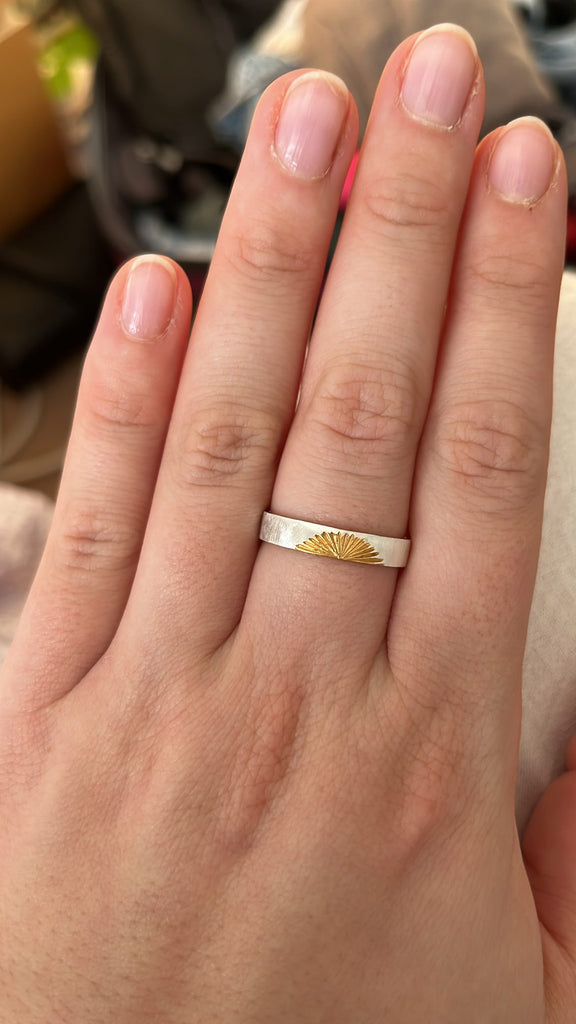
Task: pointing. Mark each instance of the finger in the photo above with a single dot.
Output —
(464, 601)
(350, 455)
(549, 848)
(124, 404)
(241, 376)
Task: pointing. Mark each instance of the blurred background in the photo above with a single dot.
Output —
(121, 126)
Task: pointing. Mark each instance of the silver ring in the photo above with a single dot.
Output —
(332, 542)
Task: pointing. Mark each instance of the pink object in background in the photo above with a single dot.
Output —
(349, 182)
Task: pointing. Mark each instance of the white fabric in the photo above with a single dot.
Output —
(549, 705)
(25, 518)
(550, 665)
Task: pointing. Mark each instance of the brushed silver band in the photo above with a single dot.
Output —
(333, 542)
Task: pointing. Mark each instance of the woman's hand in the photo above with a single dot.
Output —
(244, 784)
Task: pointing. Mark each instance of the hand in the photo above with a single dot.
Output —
(241, 783)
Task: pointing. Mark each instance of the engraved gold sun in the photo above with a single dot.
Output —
(344, 546)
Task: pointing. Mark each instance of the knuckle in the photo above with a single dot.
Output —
(369, 413)
(513, 276)
(226, 443)
(97, 541)
(115, 405)
(426, 791)
(411, 203)
(260, 770)
(428, 756)
(269, 253)
(495, 451)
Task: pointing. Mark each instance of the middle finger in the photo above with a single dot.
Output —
(349, 458)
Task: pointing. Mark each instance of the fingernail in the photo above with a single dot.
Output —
(440, 74)
(149, 296)
(311, 122)
(524, 161)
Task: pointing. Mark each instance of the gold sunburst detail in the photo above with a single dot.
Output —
(344, 546)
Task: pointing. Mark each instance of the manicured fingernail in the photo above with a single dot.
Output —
(440, 74)
(149, 297)
(524, 161)
(311, 123)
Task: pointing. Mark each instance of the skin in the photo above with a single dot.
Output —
(242, 784)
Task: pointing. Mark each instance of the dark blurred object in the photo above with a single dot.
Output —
(52, 277)
(559, 12)
(158, 178)
(552, 30)
(146, 194)
(167, 62)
